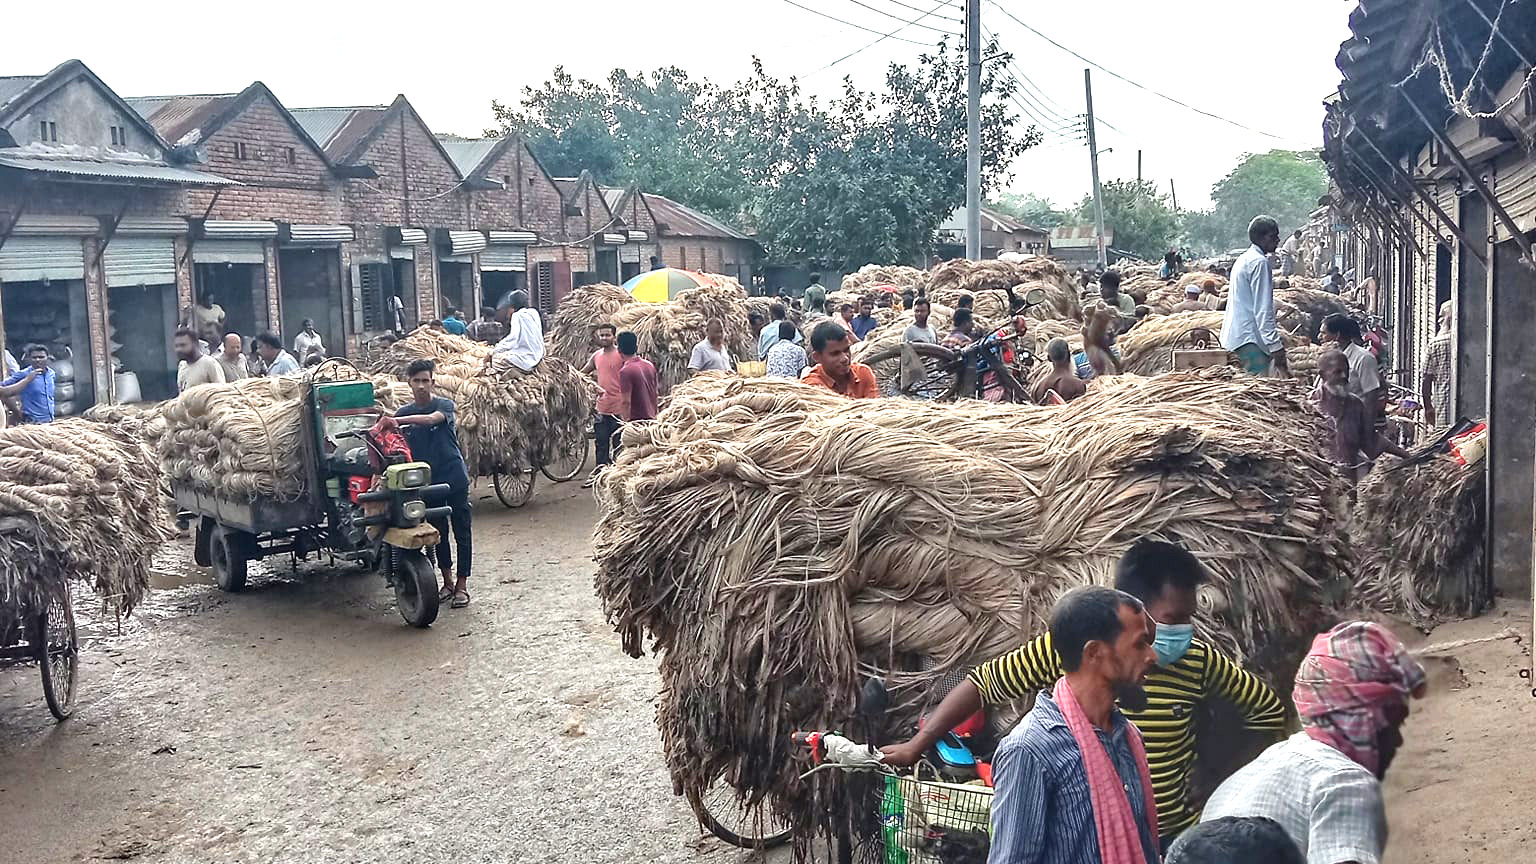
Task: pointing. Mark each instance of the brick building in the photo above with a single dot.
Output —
(515, 202)
(93, 239)
(632, 210)
(690, 240)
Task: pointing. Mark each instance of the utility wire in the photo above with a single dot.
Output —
(1113, 74)
(913, 23)
(950, 3)
(883, 36)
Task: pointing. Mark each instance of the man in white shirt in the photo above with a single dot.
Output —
(195, 368)
(1290, 254)
(1249, 329)
(1323, 784)
(308, 341)
(523, 346)
(710, 354)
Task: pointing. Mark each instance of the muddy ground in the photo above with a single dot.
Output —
(302, 721)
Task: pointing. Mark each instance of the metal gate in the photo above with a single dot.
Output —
(139, 261)
(24, 259)
(215, 251)
(504, 258)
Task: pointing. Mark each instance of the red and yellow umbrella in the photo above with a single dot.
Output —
(659, 286)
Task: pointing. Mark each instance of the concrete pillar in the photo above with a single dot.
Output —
(1469, 375)
(100, 366)
(1511, 420)
(274, 284)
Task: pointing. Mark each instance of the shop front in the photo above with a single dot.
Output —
(138, 266)
(456, 270)
(309, 283)
(43, 301)
(504, 264)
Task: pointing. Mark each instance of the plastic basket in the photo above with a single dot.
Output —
(752, 368)
(933, 822)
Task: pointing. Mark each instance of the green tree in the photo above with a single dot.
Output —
(1142, 220)
(1285, 184)
(1031, 209)
(865, 177)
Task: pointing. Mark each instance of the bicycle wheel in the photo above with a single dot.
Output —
(569, 460)
(58, 653)
(514, 487)
(749, 826)
(939, 381)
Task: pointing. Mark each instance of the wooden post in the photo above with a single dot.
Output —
(1511, 417)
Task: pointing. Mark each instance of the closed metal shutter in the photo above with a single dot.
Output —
(139, 261)
(504, 258)
(23, 259)
(227, 252)
(1515, 187)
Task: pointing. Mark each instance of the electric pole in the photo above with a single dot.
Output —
(1138, 166)
(973, 130)
(1093, 160)
(1175, 193)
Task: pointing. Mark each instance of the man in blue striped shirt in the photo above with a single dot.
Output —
(1043, 810)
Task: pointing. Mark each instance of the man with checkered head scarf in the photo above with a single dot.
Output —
(1323, 784)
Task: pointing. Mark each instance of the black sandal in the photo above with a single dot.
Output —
(460, 600)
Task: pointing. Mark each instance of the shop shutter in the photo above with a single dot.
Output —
(371, 297)
(227, 252)
(1515, 187)
(23, 259)
(139, 261)
(504, 258)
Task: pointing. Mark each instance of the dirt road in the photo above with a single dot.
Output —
(302, 721)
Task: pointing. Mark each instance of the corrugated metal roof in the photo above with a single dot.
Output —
(681, 221)
(175, 116)
(15, 85)
(85, 165)
(337, 130)
(467, 153)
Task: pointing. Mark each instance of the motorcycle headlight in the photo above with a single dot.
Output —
(414, 510)
(413, 477)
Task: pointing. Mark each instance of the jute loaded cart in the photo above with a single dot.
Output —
(348, 501)
(79, 503)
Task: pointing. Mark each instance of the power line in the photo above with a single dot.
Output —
(1137, 85)
(883, 36)
(913, 23)
(950, 3)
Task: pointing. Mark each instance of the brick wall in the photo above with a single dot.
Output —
(706, 255)
(421, 191)
(530, 200)
(285, 179)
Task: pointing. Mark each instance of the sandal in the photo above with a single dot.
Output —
(444, 594)
(460, 600)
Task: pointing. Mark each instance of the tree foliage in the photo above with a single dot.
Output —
(1031, 209)
(866, 177)
(1141, 218)
(1285, 184)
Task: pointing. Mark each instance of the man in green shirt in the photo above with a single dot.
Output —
(815, 296)
(1164, 577)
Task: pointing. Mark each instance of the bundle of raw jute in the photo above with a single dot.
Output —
(1420, 525)
(1162, 294)
(577, 316)
(775, 544)
(873, 275)
(667, 332)
(245, 440)
(78, 500)
(508, 420)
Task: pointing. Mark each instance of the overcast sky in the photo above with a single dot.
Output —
(1267, 66)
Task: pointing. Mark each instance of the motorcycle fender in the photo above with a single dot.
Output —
(416, 537)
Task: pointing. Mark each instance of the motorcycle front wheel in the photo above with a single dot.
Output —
(415, 587)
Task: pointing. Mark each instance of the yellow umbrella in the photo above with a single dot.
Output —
(659, 286)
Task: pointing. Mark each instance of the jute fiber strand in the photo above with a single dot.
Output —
(507, 420)
(1162, 295)
(1421, 531)
(667, 332)
(245, 440)
(775, 544)
(79, 500)
(577, 316)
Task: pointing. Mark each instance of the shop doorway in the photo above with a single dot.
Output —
(496, 284)
(404, 287)
(608, 265)
(52, 313)
(241, 289)
(141, 319)
(309, 282)
(456, 287)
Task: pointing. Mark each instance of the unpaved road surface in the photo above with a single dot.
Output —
(302, 721)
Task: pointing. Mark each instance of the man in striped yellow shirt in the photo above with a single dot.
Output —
(1164, 577)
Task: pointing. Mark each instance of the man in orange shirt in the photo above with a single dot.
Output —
(835, 369)
(606, 364)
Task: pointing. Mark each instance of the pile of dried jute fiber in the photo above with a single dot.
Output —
(577, 316)
(667, 332)
(245, 440)
(78, 500)
(775, 544)
(874, 275)
(1420, 526)
(508, 420)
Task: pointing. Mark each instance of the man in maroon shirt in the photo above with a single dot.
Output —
(637, 380)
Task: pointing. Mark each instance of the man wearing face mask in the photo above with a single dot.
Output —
(1164, 577)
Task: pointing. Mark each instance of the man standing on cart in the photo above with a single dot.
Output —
(428, 424)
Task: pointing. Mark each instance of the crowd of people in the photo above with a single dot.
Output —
(1099, 771)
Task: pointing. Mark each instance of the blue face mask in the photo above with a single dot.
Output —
(1172, 642)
